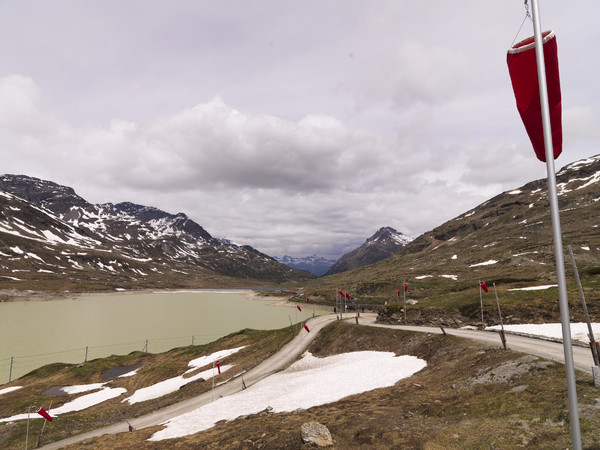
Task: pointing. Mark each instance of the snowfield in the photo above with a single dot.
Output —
(309, 382)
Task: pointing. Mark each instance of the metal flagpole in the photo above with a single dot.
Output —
(593, 345)
(556, 231)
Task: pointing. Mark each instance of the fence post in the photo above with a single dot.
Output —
(10, 373)
(146, 347)
(86, 352)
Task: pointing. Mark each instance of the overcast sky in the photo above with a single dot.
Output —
(297, 127)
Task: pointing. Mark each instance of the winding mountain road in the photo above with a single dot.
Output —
(582, 356)
(290, 352)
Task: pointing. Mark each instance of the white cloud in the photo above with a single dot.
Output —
(297, 129)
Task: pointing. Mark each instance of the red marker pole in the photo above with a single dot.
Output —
(481, 302)
(405, 289)
(212, 394)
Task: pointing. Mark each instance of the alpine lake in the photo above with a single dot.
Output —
(81, 328)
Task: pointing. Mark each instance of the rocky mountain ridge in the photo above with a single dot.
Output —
(384, 243)
(52, 237)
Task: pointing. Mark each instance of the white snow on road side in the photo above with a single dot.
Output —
(171, 385)
(421, 277)
(209, 359)
(579, 330)
(309, 382)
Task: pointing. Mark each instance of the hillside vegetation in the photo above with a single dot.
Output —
(469, 396)
(507, 241)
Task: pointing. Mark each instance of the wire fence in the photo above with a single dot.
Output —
(16, 366)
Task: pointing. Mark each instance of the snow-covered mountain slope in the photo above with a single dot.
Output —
(49, 234)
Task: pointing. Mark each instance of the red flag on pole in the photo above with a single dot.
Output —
(483, 286)
(405, 287)
(42, 412)
(522, 67)
(298, 306)
(218, 364)
(340, 292)
(306, 328)
(398, 292)
(307, 299)
(347, 296)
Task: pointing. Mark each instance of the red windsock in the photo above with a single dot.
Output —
(405, 287)
(42, 412)
(306, 328)
(218, 364)
(398, 292)
(307, 299)
(483, 286)
(347, 296)
(522, 67)
(298, 306)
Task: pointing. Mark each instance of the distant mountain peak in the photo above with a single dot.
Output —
(385, 233)
(384, 243)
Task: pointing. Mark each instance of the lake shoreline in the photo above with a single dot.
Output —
(13, 295)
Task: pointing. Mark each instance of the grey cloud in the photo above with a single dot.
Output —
(337, 117)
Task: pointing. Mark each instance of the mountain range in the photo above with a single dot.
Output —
(317, 265)
(51, 236)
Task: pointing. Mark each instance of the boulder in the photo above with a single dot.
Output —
(313, 433)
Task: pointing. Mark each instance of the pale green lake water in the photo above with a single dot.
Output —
(35, 333)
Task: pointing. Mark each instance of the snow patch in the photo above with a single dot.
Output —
(306, 383)
(9, 389)
(486, 263)
(534, 288)
(452, 277)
